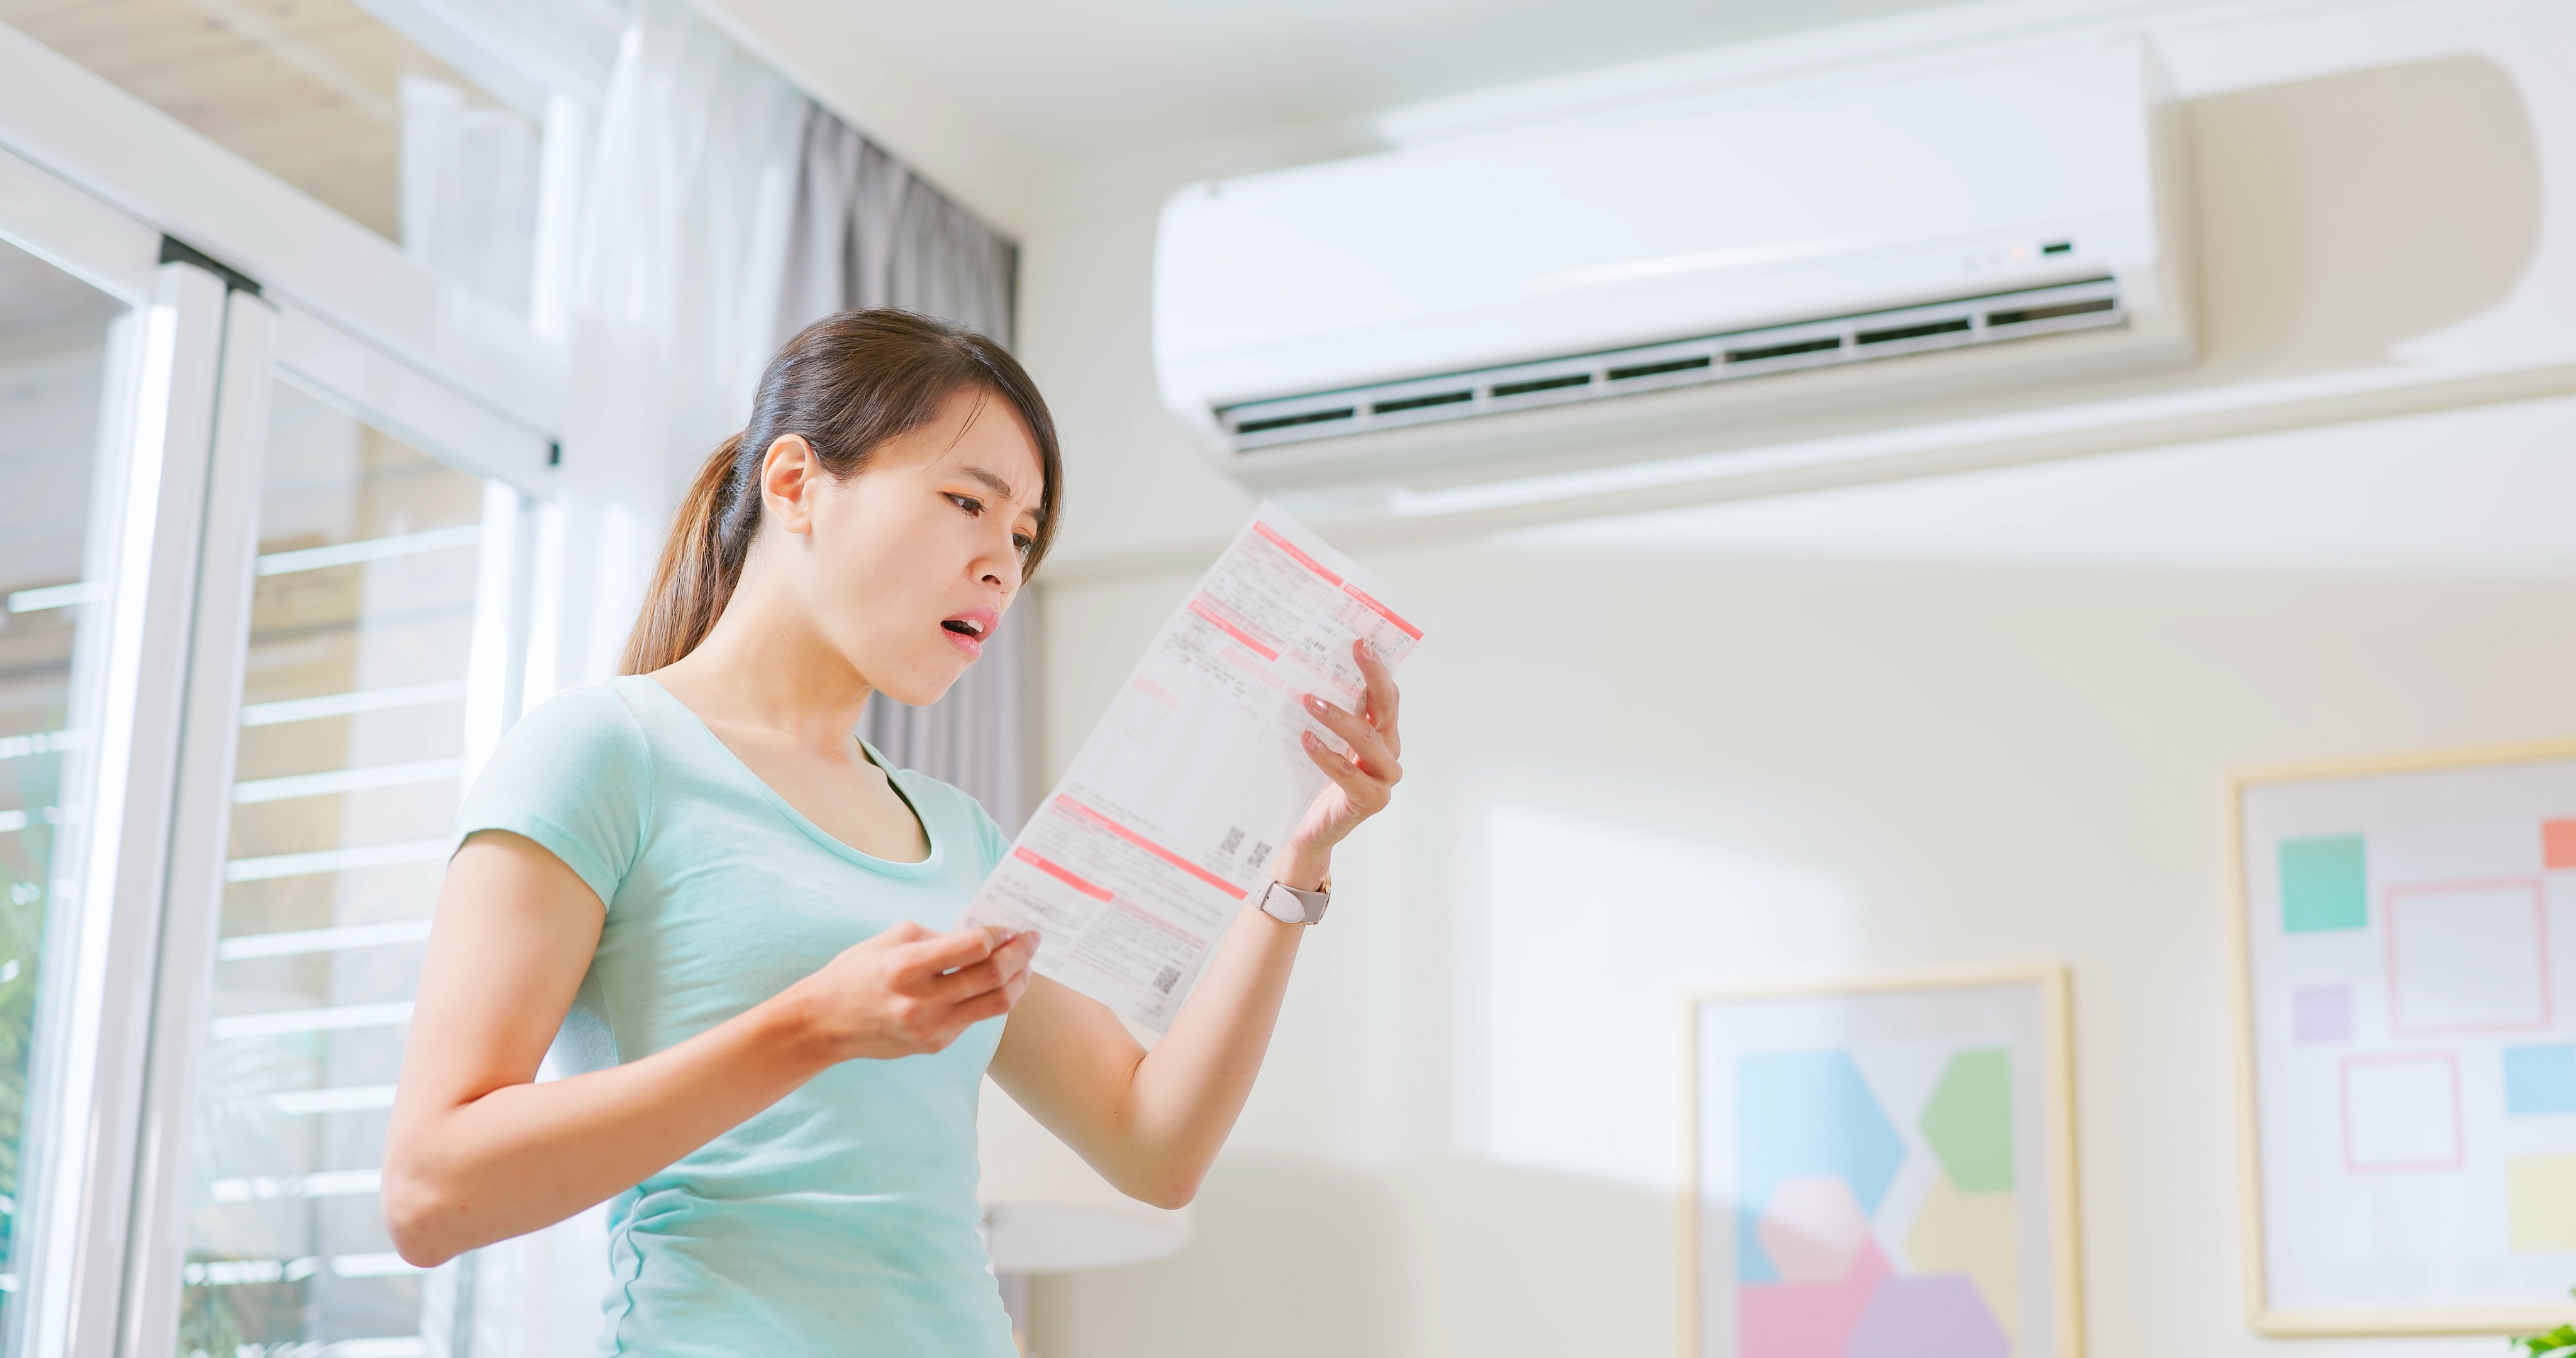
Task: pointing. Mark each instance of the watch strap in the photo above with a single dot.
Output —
(1293, 905)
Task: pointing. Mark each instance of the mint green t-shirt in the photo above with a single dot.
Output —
(842, 1219)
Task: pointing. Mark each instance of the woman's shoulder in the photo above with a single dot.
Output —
(576, 776)
(588, 730)
(590, 713)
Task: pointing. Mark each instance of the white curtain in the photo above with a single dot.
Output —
(676, 286)
(868, 232)
(469, 190)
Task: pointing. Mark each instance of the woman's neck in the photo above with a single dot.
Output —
(763, 665)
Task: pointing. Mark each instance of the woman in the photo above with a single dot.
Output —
(741, 922)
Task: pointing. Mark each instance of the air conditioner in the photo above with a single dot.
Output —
(1640, 279)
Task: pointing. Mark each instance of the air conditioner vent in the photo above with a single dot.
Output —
(1740, 355)
(1269, 423)
(1956, 325)
(1421, 402)
(1673, 365)
(1540, 384)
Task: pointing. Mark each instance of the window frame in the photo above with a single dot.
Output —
(100, 184)
(95, 1005)
(293, 347)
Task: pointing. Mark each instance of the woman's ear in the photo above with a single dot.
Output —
(788, 473)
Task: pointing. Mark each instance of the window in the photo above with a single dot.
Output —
(351, 751)
(58, 339)
(263, 585)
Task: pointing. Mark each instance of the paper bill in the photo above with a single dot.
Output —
(1166, 824)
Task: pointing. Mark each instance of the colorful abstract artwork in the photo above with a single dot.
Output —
(2407, 934)
(1882, 1181)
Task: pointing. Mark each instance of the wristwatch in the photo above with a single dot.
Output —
(1288, 905)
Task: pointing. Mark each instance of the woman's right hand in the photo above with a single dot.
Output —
(908, 991)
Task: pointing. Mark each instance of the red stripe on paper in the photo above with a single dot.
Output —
(1382, 611)
(1150, 846)
(1061, 874)
(1283, 544)
(1206, 608)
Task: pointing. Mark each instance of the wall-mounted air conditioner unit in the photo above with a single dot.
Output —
(1582, 290)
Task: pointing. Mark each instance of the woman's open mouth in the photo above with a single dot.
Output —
(968, 629)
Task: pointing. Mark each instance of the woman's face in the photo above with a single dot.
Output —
(909, 565)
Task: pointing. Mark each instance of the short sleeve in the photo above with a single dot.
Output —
(575, 775)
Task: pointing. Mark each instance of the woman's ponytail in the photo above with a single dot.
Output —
(696, 574)
(845, 384)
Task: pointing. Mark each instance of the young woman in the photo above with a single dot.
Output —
(740, 922)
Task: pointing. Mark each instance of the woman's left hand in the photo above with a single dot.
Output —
(1361, 786)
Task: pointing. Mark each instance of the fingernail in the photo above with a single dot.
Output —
(1315, 704)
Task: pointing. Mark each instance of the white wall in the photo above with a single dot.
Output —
(1937, 724)
(1974, 719)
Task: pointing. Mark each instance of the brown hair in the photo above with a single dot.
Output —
(846, 383)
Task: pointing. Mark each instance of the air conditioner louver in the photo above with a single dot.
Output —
(1993, 318)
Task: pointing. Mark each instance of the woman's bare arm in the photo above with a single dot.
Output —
(1152, 1122)
(478, 1152)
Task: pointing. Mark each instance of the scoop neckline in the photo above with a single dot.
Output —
(892, 867)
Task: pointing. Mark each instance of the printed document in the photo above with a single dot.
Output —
(1165, 825)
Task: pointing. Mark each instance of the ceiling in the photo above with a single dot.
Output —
(1085, 77)
(308, 90)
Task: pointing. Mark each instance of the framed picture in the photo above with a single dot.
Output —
(1881, 1166)
(2405, 932)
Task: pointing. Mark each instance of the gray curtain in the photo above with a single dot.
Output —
(868, 232)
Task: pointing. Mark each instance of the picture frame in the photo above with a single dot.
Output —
(2403, 933)
(1894, 1151)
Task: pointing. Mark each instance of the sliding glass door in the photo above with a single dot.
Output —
(359, 681)
(263, 593)
(110, 356)
(65, 350)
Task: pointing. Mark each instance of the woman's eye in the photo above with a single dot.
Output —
(1024, 542)
(968, 503)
